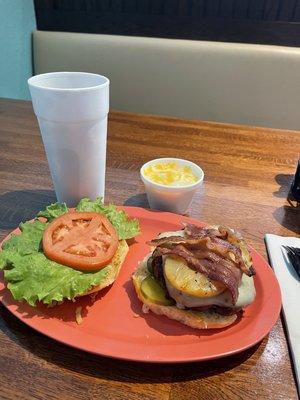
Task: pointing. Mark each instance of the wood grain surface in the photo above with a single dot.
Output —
(248, 172)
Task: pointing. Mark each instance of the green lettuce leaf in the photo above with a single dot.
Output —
(36, 278)
(7, 259)
(32, 277)
(29, 241)
(53, 211)
(126, 228)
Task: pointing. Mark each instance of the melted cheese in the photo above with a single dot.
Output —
(246, 290)
(171, 233)
(246, 295)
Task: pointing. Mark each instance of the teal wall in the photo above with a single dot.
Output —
(17, 21)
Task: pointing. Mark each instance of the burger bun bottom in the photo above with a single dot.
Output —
(195, 319)
(116, 264)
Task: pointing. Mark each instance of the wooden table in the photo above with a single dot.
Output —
(248, 172)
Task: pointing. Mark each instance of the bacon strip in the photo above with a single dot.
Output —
(195, 231)
(216, 268)
(208, 251)
(212, 239)
(213, 244)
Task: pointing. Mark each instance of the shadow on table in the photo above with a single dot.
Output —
(22, 205)
(117, 370)
(138, 200)
(284, 181)
(288, 215)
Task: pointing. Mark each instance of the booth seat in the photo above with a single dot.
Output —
(225, 82)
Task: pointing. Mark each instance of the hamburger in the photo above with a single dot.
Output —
(65, 254)
(201, 277)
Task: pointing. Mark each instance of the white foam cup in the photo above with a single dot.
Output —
(72, 109)
(176, 199)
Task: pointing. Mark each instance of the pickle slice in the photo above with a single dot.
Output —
(152, 291)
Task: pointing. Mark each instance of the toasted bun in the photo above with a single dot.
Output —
(116, 264)
(194, 319)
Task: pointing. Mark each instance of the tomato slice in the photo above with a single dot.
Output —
(81, 240)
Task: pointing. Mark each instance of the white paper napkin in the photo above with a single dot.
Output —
(290, 289)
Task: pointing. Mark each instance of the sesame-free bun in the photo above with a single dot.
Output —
(194, 319)
(116, 264)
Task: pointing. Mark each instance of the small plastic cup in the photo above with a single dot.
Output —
(174, 199)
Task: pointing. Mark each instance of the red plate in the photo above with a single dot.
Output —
(114, 325)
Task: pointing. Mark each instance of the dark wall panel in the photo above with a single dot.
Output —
(246, 21)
